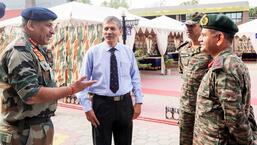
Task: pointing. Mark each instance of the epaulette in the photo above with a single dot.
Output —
(218, 63)
(183, 44)
(197, 51)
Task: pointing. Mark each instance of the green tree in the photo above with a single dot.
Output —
(162, 3)
(192, 2)
(84, 1)
(253, 12)
(115, 3)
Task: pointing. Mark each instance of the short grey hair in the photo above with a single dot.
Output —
(113, 19)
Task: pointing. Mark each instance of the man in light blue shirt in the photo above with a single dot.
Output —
(114, 66)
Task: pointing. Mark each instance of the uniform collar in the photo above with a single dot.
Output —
(224, 52)
(217, 62)
(35, 44)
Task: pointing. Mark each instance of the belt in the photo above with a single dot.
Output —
(113, 98)
(29, 121)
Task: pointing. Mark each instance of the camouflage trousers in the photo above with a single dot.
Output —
(186, 126)
(40, 134)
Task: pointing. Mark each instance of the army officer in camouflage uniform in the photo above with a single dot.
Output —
(193, 30)
(223, 98)
(194, 69)
(28, 92)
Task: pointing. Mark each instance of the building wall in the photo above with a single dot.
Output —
(245, 17)
(238, 11)
(50, 3)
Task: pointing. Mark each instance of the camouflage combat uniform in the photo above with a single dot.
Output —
(223, 103)
(197, 67)
(22, 73)
(185, 52)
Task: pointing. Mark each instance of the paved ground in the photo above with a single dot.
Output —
(152, 128)
(72, 128)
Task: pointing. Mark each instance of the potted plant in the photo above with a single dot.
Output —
(169, 64)
(139, 54)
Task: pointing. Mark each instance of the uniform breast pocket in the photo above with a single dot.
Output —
(5, 138)
(184, 58)
(46, 73)
(125, 68)
(185, 61)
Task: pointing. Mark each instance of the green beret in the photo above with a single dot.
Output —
(219, 22)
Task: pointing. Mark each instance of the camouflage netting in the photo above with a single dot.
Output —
(70, 43)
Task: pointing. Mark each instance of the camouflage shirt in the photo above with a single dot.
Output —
(197, 67)
(223, 102)
(185, 53)
(23, 74)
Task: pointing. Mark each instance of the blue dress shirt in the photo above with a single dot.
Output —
(96, 66)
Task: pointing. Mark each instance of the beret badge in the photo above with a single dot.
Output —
(204, 20)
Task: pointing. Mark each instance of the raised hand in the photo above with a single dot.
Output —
(81, 84)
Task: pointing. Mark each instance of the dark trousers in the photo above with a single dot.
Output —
(115, 118)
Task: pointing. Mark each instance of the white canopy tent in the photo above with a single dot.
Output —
(162, 22)
(169, 23)
(77, 12)
(162, 26)
(249, 30)
(11, 22)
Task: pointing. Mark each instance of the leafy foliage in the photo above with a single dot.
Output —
(253, 12)
(84, 1)
(169, 62)
(188, 3)
(139, 54)
(115, 4)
